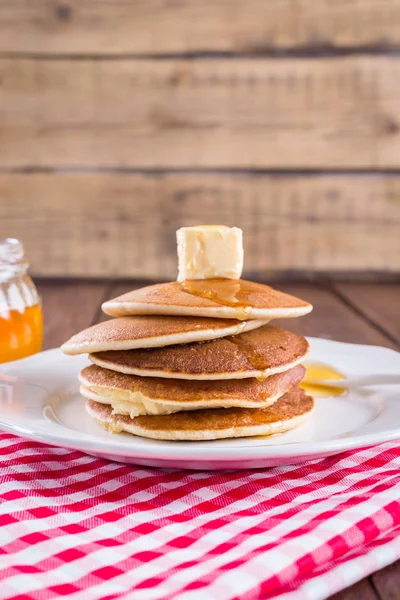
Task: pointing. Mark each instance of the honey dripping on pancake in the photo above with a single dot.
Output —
(234, 293)
(255, 358)
(321, 371)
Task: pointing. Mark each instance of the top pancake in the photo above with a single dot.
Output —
(220, 298)
(257, 353)
(127, 333)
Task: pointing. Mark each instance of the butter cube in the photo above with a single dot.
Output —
(209, 251)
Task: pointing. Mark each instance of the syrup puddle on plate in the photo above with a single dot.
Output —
(322, 371)
(234, 293)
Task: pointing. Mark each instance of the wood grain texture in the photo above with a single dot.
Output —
(363, 590)
(112, 225)
(166, 26)
(380, 304)
(331, 318)
(69, 307)
(387, 582)
(336, 113)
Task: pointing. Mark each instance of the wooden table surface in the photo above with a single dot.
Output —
(363, 313)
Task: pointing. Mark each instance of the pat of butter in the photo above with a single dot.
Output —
(209, 251)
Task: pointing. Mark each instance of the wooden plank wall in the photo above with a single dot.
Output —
(121, 121)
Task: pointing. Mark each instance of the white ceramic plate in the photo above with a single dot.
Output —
(39, 399)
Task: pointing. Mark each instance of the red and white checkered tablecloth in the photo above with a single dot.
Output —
(80, 527)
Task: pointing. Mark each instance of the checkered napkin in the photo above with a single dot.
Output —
(76, 526)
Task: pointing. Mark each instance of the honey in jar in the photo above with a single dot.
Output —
(21, 320)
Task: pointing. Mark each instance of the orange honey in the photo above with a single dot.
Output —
(21, 333)
(234, 293)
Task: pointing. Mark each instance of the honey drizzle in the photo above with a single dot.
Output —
(255, 358)
(321, 371)
(233, 293)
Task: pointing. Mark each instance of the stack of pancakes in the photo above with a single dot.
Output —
(195, 361)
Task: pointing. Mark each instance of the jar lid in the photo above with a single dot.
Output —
(11, 252)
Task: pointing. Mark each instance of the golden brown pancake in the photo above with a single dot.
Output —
(152, 331)
(288, 412)
(258, 353)
(133, 396)
(221, 298)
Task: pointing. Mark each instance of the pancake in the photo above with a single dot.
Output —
(153, 331)
(258, 353)
(221, 298)
(133, 396)
(288, 412)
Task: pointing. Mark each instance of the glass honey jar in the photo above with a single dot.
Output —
(21, 319)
